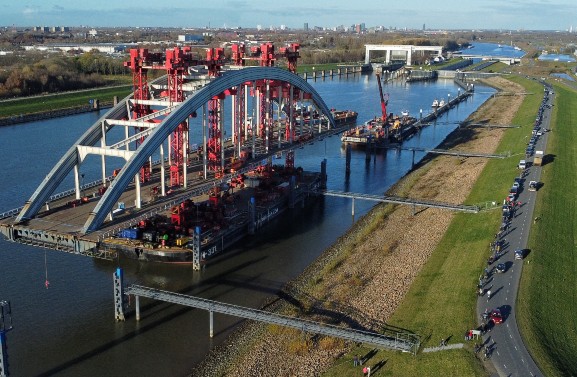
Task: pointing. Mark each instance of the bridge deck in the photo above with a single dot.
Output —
(65, 220)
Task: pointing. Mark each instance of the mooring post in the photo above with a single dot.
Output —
(353, 209)
(137, 304)
(348, 159)
(118, 294)
(3, 355)
(324, 174)
(413, 161)
(5, 326)
(211, 320)
(368, 149)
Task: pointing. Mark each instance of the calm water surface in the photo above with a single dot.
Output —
(69, 329)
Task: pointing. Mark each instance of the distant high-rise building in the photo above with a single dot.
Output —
(306, 26)
(423, 27)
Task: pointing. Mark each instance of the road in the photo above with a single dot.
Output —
(506, 349)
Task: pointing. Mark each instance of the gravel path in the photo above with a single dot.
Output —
(364, 276)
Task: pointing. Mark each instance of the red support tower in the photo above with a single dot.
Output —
(291, 53)
(214, 135)
(138, 60)
(176, 65)
(214, 57)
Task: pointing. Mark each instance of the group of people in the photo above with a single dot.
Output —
(358, 361)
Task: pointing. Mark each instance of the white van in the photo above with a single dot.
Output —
(522, 164)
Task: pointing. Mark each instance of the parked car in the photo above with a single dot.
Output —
(496, 316)
(522, 164)
(533, 185)
(519, 254)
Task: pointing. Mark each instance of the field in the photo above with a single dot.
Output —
(60, 101)
(547, 300)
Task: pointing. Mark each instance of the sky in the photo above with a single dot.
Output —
(443, 14)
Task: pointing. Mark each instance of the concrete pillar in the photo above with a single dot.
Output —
(291, 115)
(388, 56)
(77, 181)
(103, 145)
(137, 306)
(162, 172)
(137, 201)
(211, 320)
(367, 55)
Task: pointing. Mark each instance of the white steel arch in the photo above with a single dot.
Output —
(155, 138)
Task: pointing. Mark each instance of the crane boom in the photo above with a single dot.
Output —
(383, 101)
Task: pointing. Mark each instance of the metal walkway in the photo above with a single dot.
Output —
(456, 152)
(400, 200)
(489, 125)
(401, 342)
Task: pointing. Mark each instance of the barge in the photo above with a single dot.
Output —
(196, 232)
(381, 133)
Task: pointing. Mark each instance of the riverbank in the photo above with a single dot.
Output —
(365, 275)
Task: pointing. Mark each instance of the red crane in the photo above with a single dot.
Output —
(384, 101)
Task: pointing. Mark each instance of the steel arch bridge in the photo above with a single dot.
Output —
(152, 136)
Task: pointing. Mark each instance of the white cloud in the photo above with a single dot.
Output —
(29, 11)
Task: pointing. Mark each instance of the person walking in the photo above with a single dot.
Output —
(356, 361)
(488, 295)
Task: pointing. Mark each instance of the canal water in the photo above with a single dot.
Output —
(68, 329)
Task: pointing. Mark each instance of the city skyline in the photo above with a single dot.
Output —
(413, 14)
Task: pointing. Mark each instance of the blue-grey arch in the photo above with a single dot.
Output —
(170, 123)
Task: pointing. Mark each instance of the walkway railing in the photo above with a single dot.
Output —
(400, 200)
(404, 342)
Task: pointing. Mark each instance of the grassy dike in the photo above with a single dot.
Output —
(441, 302)
(37, 104)
(547, 299)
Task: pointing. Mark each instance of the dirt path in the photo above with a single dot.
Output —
(363, 277)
